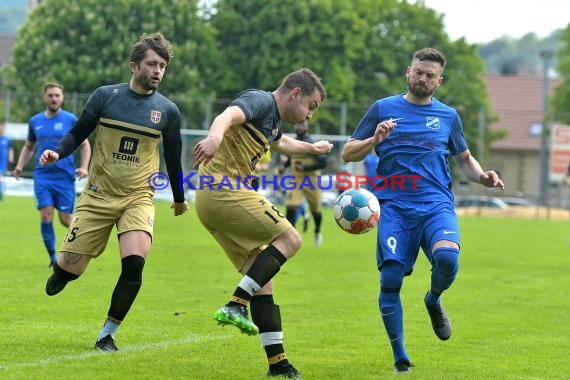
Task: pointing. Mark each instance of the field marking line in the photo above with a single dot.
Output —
(87, 355)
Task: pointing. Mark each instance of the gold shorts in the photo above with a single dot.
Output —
(95, 217)
(241, 221)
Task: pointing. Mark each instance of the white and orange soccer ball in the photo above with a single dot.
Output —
(356, 211)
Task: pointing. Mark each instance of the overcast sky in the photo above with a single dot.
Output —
(484, 20)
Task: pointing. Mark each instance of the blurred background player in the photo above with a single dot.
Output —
(254, 234)
(6, 157)
(306, 169)
(54, 185)
(130, 119)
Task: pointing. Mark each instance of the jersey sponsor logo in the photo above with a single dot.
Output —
(155, 116)
(39, 127)
(127, 149)
(432, 122)
(128, 145)
(446, 232)
(58, 126)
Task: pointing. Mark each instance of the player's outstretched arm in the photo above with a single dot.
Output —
(473, 171)
(48, 157)
(355, 150)
(288, 145)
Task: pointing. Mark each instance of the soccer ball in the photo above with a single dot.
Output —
(356, 211)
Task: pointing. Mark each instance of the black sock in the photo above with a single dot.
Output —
(239, 298)
(61, 276)
(318, 217)
(127, 287)
(267, 316)
(265, 266)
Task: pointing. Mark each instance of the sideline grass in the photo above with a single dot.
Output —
(509, 307)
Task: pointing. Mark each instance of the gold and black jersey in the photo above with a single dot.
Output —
(244, 145)
(129, 128)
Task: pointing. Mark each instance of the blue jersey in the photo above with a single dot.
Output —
(370, 164)
(5, 143)
(414, 159)
(46, 133)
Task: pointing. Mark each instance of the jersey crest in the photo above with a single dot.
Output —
(155, 116)
(432, 122)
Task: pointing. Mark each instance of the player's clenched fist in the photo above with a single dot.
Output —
(383, 130)
(48, 157)
(179, 208)
(323, 147)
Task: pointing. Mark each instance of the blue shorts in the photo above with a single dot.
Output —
(60, 194)
(405, 227)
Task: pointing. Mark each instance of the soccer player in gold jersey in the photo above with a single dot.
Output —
(255, 235)
(129, 119)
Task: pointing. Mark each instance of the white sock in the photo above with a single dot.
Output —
(109, 328)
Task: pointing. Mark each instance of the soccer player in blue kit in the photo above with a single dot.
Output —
(54, 186)
(413, 135)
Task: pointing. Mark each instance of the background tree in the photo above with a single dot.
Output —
(361, 50)
(262, 41)
(85, 44)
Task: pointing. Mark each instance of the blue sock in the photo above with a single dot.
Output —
(109, 328)
(391, 279)
(443, 273)
(48, 235)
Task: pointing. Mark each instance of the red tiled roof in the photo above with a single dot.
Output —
(517, 101)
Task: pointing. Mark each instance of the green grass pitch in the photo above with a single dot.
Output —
(509, 307)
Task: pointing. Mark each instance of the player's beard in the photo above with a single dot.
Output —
(146, 83)
(53, 108)
(420, 91)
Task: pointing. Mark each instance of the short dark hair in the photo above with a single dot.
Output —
(52, 85)
(306, 80)
(156, 42)
(430, 54)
